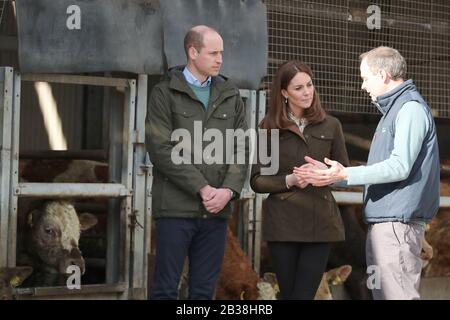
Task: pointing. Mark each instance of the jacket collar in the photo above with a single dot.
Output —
(385, 101)
(191, 79)
(219, 84)
(294, 129)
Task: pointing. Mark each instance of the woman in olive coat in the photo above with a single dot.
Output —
(300, 221)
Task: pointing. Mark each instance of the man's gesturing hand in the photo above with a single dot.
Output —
(319, 174)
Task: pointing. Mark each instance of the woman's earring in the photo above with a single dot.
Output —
(285, 100)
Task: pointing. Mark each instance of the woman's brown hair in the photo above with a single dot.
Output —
(277, 114)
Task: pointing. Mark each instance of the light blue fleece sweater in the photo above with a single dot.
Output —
(411, 126)
(402, 174)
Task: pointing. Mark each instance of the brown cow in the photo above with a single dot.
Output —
(63, 170)
(438, 235)
(238, 280)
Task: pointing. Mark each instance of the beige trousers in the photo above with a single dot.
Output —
(393, 257)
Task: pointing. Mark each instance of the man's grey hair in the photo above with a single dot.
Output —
(388, 59)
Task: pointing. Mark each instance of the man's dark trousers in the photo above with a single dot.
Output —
(203, 241)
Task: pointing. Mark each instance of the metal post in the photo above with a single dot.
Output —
(261, 112)
(6, 117)
(12, 238)
(251, 118)
(148, 217)
(138, 263)
(246, 229)
(115, 164)
(127, 177)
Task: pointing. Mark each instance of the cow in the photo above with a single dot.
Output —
(438, 236)
(10, 278)
(51, 228)
(49, 241)
(237, 280)
(268, 288)
(332, 277)
(438, 233)
(63, 170)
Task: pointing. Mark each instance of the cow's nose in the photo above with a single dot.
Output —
(67, 264)
(73, 258)
(79, 264)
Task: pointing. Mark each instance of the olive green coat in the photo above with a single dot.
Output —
(302, 215)
(173, 105)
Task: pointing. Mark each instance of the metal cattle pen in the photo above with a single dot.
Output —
(128, 231)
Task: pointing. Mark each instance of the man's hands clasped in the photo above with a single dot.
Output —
(215, 199)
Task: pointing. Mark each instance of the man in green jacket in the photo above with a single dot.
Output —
(192, 188)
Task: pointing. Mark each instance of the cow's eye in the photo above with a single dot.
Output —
(49, 231)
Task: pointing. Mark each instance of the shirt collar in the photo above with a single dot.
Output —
(295, 119)
(301, 123)
(191, 79)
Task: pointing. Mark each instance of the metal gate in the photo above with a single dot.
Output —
(129, 213)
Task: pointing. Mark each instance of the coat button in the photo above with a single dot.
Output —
(214, 105)
(224, 115)
(306, 135)
(325, 197)
(322, 136)
(282, 198)
(205, 216)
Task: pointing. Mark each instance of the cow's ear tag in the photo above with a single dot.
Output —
(15, 281)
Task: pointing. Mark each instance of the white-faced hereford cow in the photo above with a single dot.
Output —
(50, 229)
(50, 241)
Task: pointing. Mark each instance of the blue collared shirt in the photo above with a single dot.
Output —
(191, 79)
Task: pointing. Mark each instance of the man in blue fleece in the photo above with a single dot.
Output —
(401, 177)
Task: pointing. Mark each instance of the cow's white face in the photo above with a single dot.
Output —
(55, 234)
